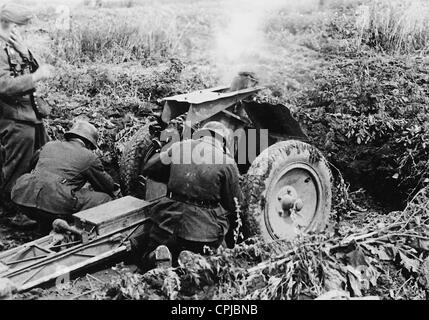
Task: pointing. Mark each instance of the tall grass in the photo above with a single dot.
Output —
(111, 37)
(391, 26)
(398, 26)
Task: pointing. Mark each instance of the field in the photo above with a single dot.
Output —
(355, 75)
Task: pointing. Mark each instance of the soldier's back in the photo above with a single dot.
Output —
(200, 170)
(64, 157)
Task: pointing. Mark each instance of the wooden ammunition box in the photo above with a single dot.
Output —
(112, 216)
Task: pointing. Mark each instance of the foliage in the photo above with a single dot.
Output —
(356, 262)
(373, 111)
(363, 106)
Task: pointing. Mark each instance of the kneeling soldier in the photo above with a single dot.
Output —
(203, 193)
(55, 188)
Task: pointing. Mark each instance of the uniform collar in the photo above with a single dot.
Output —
(77, 142)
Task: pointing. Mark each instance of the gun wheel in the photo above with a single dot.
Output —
(288, 189)
(131, 164)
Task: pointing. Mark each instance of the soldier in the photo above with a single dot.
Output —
(21, 127)
(203, 193)
(55, 188)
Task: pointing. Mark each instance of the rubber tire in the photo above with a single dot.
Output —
(262, 172)
(131, 162)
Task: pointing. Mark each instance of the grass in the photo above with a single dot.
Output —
(108, 37)
(395, 26)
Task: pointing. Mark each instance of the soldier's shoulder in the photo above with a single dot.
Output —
(54, 144)
(89, 158)
(89, 154)
(78, 150)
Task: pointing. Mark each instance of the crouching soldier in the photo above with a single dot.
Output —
(203, 193)
(21, 111)
(55, 187)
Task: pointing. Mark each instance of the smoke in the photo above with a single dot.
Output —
(243, 45)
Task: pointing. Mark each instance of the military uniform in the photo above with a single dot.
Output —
(56, 184)
(21, 127)
(200, 203)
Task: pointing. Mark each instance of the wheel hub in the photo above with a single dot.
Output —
(289, 201)
(293, 200)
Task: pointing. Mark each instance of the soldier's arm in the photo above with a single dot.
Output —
(158, 166)
(99, 179)
(10, 85)
(231, 190)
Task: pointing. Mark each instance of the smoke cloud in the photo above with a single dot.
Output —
(242, 45)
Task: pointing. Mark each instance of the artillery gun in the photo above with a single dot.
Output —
(286, 184)
(286, 181)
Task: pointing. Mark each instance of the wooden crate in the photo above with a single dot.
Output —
(113, 215)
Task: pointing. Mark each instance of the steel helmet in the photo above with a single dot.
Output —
(85, 130)
(217, 128)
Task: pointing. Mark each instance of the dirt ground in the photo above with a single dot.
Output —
(10, 237)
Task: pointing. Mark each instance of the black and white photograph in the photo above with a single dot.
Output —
(214, 154)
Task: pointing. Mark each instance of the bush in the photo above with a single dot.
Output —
(370, 116)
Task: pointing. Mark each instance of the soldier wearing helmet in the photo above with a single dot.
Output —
(21, 111)
(55, 187)
(203, 193)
